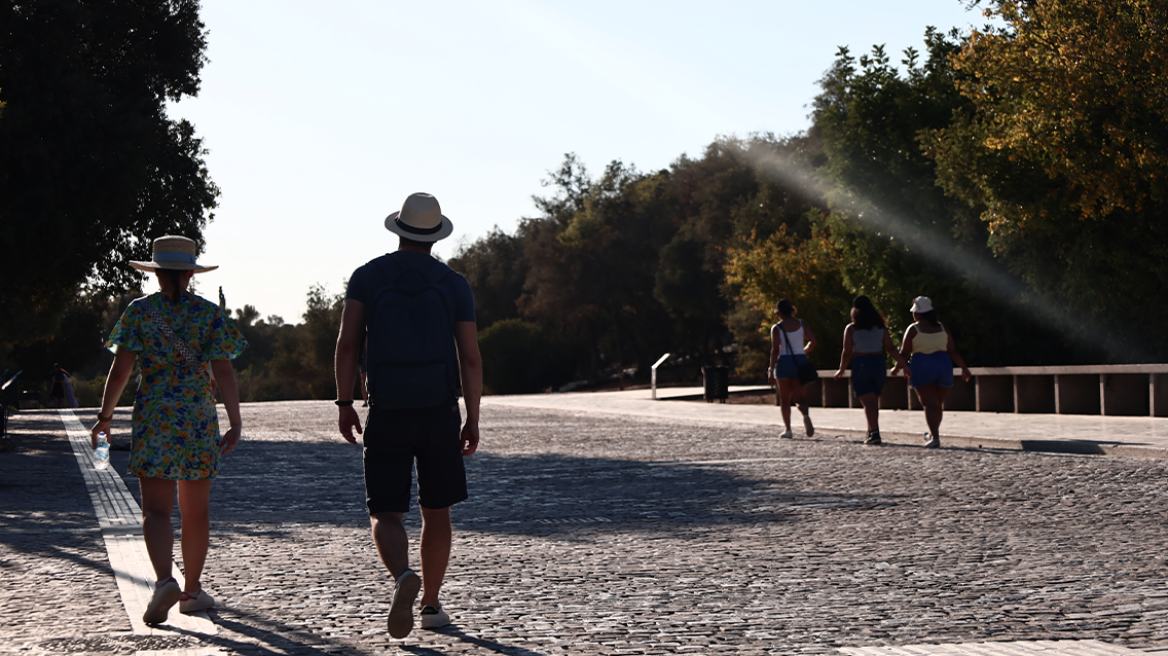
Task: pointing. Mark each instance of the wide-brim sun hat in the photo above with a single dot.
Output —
(921, 305)
(420, 219)
(173, 252)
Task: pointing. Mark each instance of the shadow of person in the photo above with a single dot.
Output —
(266, 638)
(483, 643)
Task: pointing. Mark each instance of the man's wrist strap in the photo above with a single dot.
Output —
(342, 403)
(101, 417)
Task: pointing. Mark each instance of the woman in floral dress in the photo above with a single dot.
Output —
(176, 338)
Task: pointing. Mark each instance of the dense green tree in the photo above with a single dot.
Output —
(898, 233)
(592, 263)
(726, 199)
(91, 167)
(303, 361)
(628, 265)
(1061, 145)
(804, 271)
(496, 270)
(523, 357)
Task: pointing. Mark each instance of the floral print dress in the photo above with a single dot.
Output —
(176, 426)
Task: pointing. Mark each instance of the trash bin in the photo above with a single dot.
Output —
(717, 383)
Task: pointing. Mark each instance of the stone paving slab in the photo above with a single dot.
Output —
(1023, 648)
(593, 533)
(1141, 437)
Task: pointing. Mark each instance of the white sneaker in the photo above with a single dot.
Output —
(434, 618)
(807, 425)
(166, 594)
(201, 601)
(401, 611)
(932, 441)
(788, 435)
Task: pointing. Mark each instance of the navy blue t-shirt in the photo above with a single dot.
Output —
(368, 279)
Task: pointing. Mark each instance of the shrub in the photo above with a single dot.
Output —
(521, 357)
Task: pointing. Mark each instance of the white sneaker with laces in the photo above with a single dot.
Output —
(196, 603)
(166, 594)
(434, 618)
(807, 425)
(788, 435)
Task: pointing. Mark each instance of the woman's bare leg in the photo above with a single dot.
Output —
(799, 395)
(931, 399)
(785, 401)
(194, 504)
(157, 505)
(871, 404)
(940, 410)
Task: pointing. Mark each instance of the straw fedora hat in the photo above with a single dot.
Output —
(420, 219)
(173, 252)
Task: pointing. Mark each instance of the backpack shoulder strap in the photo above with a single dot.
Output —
(388, 268)
(436, 272)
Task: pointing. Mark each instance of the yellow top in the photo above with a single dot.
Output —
(925, 343)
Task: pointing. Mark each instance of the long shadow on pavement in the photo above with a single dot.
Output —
(46, 509)
(271, 483)
(489, 645)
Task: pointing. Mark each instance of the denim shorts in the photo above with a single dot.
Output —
(395, 439)
(788, 366)
(929, 368)
(868, 374)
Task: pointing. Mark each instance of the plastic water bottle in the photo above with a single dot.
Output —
(101, 456)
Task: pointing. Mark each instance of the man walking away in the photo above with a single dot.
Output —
(419, 318)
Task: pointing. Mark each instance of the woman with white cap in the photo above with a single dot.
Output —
(176, 338)
(931, 368)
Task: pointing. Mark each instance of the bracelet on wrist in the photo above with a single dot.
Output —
(101, 417)
(343, 403)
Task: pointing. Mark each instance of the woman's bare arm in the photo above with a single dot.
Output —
(846, 355)
(956, 357)
(115, 383)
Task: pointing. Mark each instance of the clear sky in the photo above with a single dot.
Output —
(321, 117)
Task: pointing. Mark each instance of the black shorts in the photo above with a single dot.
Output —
(394, 439)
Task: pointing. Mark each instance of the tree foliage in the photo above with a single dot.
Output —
(496, 270)
(621, 267)
(91, 167)
(521, 356)
(804, 271)
(1063, 149)
(898, 233)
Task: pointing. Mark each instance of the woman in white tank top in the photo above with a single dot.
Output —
(788, 351)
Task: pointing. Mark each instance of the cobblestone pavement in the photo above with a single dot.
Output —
(599, 534)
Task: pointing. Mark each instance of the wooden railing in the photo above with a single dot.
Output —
(1124, 389)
